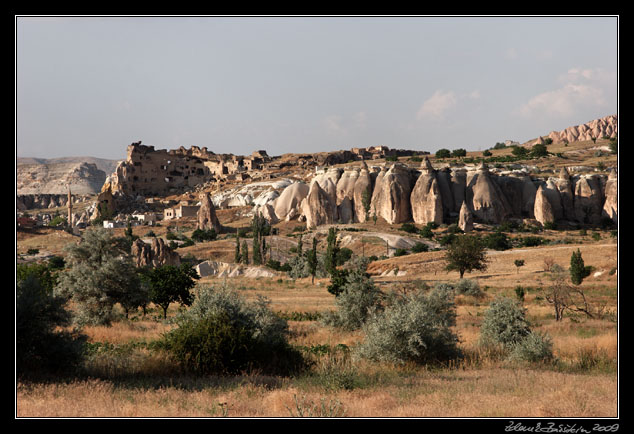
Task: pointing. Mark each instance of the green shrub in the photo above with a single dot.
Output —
(410, 228)
(533, 348)
(497, 241)
(40, 346)
(400, 252)
(420, 247)
(504, 323)
(223, 333)
(468, 287)
(359, 297)
(415, 328)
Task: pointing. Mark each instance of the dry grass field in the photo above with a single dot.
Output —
(131, 381)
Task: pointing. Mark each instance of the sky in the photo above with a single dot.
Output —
(90, 86)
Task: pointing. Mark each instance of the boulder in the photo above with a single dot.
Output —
(588, 201)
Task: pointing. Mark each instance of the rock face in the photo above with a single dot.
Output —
(426, 201)
(53, 178)
(391, 196)
(206, 215)
(611, 198)
(465, 219)
(287, 205)
(319, 207)
(362, 194)
(543, 209)
(606, 126)
(155, 254)
(486, 199)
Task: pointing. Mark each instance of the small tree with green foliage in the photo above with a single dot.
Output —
(578, 270)
(170, 284)
(100, 274)
(42, 344)
(313, 260)
(466, 253)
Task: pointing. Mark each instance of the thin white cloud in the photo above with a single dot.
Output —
(563, 102)
(581, 88)
(437, 106)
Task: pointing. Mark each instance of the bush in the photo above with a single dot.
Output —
(497, 241)
(504, 323)
(359, 298)
(40, 346)
(468, 287)
(410, 228)
(223, 333)
(200, 235)
(415, 328)
(420, 247)
(533, 348)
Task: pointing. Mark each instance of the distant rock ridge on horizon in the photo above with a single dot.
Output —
(595, 129)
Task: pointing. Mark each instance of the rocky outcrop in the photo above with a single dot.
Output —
(53, 177)
(465, 219)
(288, 205)
(611, 198)
(391, 196)
(206, 215)
(426, 200)
(598, 128)
(362, 194)
(155, 254)
(588, 199)
(543, 210)
(485, 198)
(319, 207)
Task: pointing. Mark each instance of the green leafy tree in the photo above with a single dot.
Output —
(366, 200)
(170, 284)
(245, 253)
(100, 274)
(42, 343)
(538, 150)
(443, 153)
(238, 255)
(466, 253)
(312, 260)
(577, 268)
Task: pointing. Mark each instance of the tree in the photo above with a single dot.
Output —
(466, 253)
(170, 284)
(312, 260)
(443, 153)
(539, 150)
(332, 250)
(459, 152)
(41, 342)
(238, 256)
(519, 263)
(578, 269)
(245, 253)
(100, 274)
(519, 151)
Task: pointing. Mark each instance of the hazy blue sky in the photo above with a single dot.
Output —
(91, 86)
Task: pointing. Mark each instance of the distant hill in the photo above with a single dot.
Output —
(85, 175)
